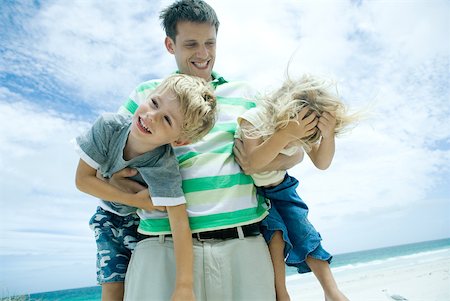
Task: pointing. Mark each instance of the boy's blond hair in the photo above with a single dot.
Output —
(283, 105)
(197, 104)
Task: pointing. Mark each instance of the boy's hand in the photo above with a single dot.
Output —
(301, 126)
(121, 180)
(145, 202)
(327, 124)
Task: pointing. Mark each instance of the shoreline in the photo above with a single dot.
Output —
(423, 277)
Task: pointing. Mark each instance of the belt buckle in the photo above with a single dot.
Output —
(200, 239)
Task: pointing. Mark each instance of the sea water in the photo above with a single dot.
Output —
(340, 262)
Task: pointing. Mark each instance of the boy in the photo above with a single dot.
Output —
(181, 110)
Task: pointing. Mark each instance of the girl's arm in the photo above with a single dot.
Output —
(281, 162)
(87, 181)
(260, 154)
(184, 257)
(322, 154)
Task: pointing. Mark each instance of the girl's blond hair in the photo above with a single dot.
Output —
(283, 105)
(197, 104)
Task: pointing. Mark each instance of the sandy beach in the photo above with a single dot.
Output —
(422, 277)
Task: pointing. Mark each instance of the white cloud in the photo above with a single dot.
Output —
(389, 56)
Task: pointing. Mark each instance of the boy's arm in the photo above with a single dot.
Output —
(184, 257)
(86, 180)
(322, 154)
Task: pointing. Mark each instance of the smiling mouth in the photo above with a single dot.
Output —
(201, 65)
(143, 127)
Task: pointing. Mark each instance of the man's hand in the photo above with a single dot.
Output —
(145, 202)
(121, 180)
(241, 157)
(327, 125)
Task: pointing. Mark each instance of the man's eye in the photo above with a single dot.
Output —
(167, 118)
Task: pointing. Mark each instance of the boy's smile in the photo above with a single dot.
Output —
(156, 121)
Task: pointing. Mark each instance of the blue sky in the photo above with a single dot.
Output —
(64, 62)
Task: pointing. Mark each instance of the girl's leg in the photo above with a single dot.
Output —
(322, 271)
(112, 291)
(276, 248)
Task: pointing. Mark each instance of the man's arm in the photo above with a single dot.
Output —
(184, 257)
(121, 180)
(86, 180)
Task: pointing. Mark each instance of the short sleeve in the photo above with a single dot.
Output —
(164, 180)
(253, 116)
(93, 144)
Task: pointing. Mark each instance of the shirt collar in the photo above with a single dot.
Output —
(217, 79)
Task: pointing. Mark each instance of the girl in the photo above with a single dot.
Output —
(302, 114)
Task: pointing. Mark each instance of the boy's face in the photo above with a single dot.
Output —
(194, 48)
(158, 120)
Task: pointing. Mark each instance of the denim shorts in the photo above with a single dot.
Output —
(116, 237)
(289, 214)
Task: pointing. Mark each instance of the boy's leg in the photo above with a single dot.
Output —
(322, 271)
(112, 291)
(116, 237)
(276, 248)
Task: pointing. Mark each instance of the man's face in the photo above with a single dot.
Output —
(194, 48)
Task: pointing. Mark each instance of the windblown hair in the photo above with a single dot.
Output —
(196, 11)
(197, 104)
(283, 105)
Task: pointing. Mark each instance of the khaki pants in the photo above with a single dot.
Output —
(224, 270)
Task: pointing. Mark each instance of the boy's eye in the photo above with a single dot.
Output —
(167, 118)
(155, 103)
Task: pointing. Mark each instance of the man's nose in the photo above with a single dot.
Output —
(202, 52)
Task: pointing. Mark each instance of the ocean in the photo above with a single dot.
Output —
(340, 262)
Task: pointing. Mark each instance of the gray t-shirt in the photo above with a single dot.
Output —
(102, 146)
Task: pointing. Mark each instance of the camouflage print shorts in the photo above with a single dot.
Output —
(116, 238)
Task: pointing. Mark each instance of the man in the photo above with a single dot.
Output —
(231, 259)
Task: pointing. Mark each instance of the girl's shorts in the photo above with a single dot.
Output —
(289, 214)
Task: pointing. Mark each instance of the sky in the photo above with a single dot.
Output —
(64, 62)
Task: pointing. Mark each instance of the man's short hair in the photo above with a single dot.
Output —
(196, 11)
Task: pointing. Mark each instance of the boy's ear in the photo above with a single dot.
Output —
(180, 142)
(169, 43)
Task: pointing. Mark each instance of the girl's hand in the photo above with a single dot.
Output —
(327, 124)
(301, 126)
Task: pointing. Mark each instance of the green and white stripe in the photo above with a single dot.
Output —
(218, 194)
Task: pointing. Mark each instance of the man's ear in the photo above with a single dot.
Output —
(169, 45)
(180, 142)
